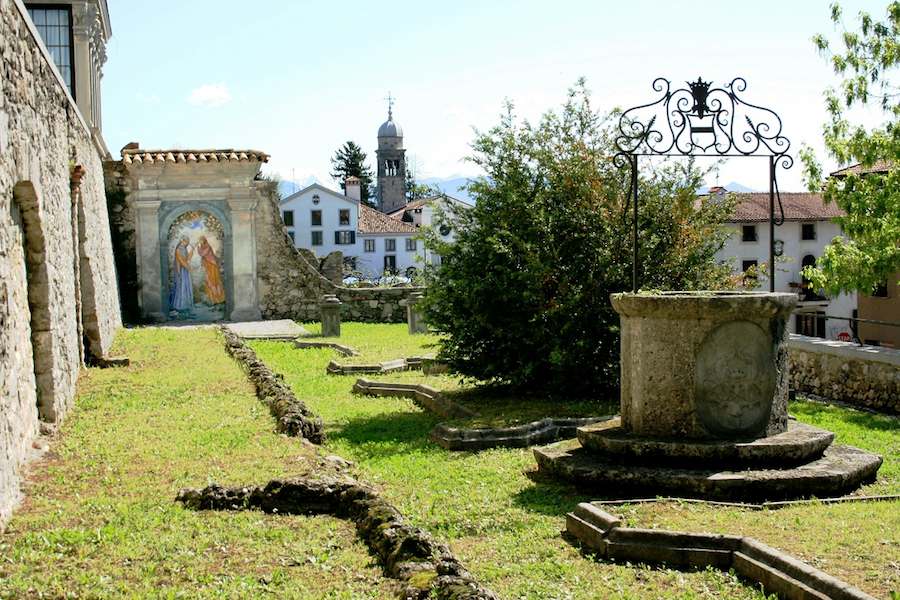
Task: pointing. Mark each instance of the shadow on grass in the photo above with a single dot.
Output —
(858, 418)
(548, 497)
(387, 434)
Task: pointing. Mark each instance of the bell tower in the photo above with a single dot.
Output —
(391, 157)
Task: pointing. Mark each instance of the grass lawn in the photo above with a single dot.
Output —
(506, 527)
(501, 525)
(100, 520)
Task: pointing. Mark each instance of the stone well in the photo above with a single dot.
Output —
(707, 365)
(704, 408)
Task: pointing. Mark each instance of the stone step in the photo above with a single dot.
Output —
(839, 470)
(798, 445)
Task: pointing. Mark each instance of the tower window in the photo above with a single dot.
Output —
(316, 218)
(288, 217)
(55, 28)
(316, 238)
(344, 216)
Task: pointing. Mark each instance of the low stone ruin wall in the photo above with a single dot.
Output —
(865, 376)
(424, 567)
(292, 415)
(291, 286)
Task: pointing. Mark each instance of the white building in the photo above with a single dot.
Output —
(808, 227)
(421, 214)
(324, 221)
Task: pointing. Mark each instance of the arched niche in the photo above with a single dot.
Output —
(196, 266)
(27, 214)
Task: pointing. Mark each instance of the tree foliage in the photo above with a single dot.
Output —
(349, 160)
(865, 63)
(522, 294)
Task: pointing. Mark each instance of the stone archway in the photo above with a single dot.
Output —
(34, 247)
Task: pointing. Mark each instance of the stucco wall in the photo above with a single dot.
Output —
(868, 376)
(56, 266)
(290, 286)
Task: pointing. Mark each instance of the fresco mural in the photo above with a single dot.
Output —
(196, 242)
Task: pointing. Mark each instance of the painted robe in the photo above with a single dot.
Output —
(215, 289)
(182, 289)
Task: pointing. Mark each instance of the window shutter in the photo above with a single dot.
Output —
(337, 237)
(352, 237)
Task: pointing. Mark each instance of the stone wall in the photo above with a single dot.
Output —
(867, 376)
(290, 284)
(58, 298)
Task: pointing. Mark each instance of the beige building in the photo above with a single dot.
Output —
(883, 305)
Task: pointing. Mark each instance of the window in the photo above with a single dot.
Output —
(316, 238)
(291, 233)
(390, 263)
(881, 290)
(316, 217)
(55, 27)
(369, 245)
(344, 238)
(344, 216)
(315, 198)
(288, 217)
(410, 245)
(751, 279)
(749, 234)
(390, 245)
(808, 231)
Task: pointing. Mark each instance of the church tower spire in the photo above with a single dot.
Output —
(391, 157)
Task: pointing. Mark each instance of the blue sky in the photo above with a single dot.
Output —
(296, 79)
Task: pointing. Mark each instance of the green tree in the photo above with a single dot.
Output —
(870, 252)
(522, 294)
(349, 160)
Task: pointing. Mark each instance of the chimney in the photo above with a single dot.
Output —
(352, 188)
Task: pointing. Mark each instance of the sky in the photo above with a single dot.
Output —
(296, 78)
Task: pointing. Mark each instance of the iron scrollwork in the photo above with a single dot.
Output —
(701, 120)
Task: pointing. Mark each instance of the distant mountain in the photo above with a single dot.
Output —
(452, 186)
(287, 187)
(732, 186)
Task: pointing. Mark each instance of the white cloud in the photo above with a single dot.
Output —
(210, 95)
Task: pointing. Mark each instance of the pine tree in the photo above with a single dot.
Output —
(350, 160)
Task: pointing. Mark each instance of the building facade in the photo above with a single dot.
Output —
(372, 243)
(808, 227)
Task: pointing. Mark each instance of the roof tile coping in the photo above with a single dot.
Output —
(182, 156)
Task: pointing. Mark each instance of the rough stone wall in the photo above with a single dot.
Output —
(866, 376)
(290, 284)
(57, 279)
(123, 219)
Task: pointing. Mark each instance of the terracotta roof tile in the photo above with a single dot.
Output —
(797, 207)
(140, 156)
(373, 221)
(881, 166)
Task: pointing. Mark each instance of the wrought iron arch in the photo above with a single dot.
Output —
(702, 121)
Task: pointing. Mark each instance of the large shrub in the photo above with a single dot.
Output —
(522, 295)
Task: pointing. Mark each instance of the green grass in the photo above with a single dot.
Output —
(503, 526)
(100, 518)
